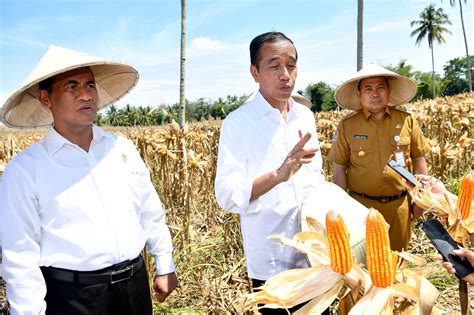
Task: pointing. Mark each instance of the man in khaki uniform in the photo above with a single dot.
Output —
(367, 139)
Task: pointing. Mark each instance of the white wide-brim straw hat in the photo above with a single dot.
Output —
(402, 89)
(113, 80)
(301, 99)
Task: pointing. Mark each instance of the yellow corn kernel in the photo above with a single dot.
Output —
(465, 195)
(339, 245)
(380, 262)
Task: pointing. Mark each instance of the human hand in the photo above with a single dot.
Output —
(416, 211)
(164, 285)
(460, 252)
(295, 158)
(436, 186)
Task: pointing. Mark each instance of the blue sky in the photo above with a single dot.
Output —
(146, 34)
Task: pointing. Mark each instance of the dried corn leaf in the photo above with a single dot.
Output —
(376, 301)
(321, 303)
(295, 286)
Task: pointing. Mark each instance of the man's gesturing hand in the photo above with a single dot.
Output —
(295, 158)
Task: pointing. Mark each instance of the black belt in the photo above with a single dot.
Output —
(113, 274)
(382, 199)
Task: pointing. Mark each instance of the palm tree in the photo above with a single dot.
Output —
(182, 98)
(112, 115)
(100, 119)
(402, 68)
(145, 115)
(360, 35)
(431, 25)
(453, 3)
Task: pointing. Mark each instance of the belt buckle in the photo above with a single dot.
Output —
(384, 200)
(121, 275)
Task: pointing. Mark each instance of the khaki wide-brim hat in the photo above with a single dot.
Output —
(113, 80)
(402, 89)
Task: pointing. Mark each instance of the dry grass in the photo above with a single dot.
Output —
(207, 240)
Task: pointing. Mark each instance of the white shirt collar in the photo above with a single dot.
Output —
(262, 107)
(55, 141)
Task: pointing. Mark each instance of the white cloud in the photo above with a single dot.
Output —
(202, 46)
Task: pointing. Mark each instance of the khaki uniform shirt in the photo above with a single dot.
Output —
(365, 146)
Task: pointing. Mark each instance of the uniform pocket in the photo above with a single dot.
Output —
(403, 144)
(361, 151)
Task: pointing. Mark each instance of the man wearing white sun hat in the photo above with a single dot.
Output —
(368, 138)
(78, 206)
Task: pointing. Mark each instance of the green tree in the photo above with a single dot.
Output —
(402, 68)
(455, 75)
(144, 115)
(114, 116)
(130, 115)
(432, 26)
(469, 72)
(100, 119)
(218, 109)
(316, 93)
(198, 110)
(329, 103)
(424, 82)
(159, 116)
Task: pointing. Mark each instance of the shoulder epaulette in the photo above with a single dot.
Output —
(351, 114)
(403, 109)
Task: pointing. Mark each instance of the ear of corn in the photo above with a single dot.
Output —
(339, 245)
(465, 195)
(380, 261)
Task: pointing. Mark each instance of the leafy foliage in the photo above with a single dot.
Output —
(455, 75)
(453, 82)
(321, 96)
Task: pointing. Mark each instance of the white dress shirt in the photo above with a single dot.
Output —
(64, 207)
(255, 140)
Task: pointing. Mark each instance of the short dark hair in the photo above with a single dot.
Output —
(358, 83)
(269, 37)
(47, 84)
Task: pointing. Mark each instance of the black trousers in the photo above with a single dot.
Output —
(131, 296)
(280, 311)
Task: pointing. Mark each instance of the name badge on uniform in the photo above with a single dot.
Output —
(398, 154)
(364, 137)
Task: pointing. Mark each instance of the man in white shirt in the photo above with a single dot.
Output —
(268, 160)
(78, 206)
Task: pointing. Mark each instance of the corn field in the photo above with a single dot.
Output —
(207, 242)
